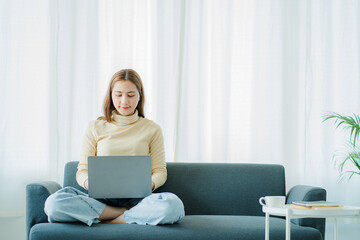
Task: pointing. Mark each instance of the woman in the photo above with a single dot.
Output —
(123, 130)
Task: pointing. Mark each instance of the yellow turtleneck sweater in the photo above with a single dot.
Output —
(124, 135)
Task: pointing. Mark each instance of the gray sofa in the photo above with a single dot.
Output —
(220, 199)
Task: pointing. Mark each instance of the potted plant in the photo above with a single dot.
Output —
(351, 154)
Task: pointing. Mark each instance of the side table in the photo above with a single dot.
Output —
(291, 213)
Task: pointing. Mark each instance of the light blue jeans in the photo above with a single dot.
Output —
(71, 205)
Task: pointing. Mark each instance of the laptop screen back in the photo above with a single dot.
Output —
(119, 176)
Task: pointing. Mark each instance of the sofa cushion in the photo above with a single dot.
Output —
(192, 227)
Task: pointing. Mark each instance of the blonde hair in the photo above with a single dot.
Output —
(123, 75)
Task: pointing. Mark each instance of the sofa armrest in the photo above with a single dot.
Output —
(308, 193)
(36, 195)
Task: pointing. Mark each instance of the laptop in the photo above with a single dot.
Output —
(119, 176)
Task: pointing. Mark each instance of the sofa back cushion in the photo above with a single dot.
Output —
(215, 188)
(70, 176)
(224, 188)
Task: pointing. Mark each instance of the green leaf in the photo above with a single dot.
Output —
(351, 154)
(347, 122)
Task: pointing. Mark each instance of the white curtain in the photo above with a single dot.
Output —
(257, 77)
(228, 81)
(24, 105)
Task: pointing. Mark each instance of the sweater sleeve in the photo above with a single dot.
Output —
(88, 149)
(159, 172)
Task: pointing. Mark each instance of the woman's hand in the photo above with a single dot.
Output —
(86, 184)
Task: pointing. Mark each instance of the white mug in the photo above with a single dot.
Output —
(272, 201)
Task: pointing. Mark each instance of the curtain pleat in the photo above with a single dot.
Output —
(228, 81)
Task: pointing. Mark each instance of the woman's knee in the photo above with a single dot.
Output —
(51, 206)
(172, 202)
(171, 207)
(55, 202)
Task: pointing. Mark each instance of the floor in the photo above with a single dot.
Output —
(345, 231)
(14, 229)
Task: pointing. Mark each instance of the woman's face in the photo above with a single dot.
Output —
(125, 97)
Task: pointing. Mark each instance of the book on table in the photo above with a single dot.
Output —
(314, 204)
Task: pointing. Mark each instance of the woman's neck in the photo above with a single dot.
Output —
(124, 120)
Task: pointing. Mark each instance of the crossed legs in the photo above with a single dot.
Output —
(71, 205)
